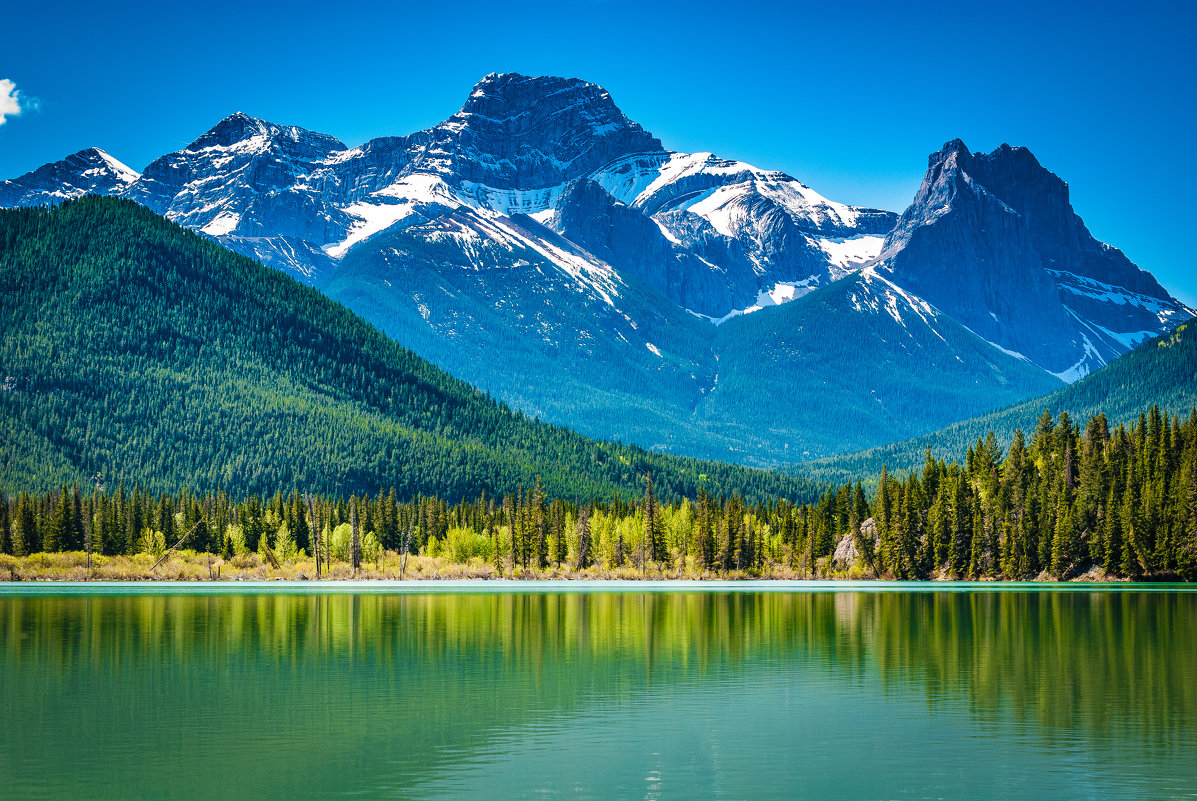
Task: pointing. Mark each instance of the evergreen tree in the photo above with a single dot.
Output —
(539, 526)
(58, 531)
(654, 537)
(583, 530)
(1186, 558)
(26, 539)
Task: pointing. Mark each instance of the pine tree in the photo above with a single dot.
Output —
(58, 530)
(705, 553)
(557, 530)
(1133, 552)
(654, 537)
(540, 526)
(1186, 548)
(860, 512)
(5, 527)
(583, 530)
(888, 544)
(1064, 551)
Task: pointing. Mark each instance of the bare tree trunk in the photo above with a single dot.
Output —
(357, 536)
(406, 549)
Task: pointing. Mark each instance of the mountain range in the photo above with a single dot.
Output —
(545, 248)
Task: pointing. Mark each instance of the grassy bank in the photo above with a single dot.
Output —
(192, 566)
(390, 566)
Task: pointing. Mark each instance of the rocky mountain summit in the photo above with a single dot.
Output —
(90, 171)
(516, 132)
(992, 240)
(546, 248)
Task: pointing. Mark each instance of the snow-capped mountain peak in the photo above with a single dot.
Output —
(107, 165)
(520, 132)
(90, 171)
(248, 133)
(249, 178)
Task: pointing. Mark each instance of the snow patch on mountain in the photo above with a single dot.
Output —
(802, 201)
(371, 219)
(714, 188)
(892, 294)
(111, 166)
(90, 171)
(512, 201)
(719, 207)
(781, 292)
(628, 178)
(222, 224)
(1084, 365)
(847, 254)
(1083, 286)
(391, 205)
(586, 270)
(1129, 339)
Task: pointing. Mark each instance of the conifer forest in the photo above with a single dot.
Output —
(1065, 501)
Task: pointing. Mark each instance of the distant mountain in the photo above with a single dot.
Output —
(1161, 371)
(992, 240)
(136, 350)
(90, 171)
(544, 247)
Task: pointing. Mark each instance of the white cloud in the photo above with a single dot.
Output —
(12, 102)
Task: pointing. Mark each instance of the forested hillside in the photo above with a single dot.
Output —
(1161, 371)
(138, 351)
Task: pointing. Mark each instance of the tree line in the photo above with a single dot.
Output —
(1069, 500)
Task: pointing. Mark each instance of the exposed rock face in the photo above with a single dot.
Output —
(519, 132)
(638, 247)
(992, 240)
(90, 171)
(1058, 235)
(847, 553)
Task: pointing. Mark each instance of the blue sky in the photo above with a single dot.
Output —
(849, 97)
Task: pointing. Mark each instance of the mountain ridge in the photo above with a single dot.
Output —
(550, 250)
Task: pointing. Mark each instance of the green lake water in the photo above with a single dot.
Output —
(518, 692)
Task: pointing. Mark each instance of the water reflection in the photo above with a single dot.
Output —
(819, 695)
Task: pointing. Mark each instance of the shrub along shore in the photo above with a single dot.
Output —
(389, 566)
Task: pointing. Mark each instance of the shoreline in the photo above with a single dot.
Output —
(392, 572)
(549, 586)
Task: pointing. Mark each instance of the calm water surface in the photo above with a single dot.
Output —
(857, 694)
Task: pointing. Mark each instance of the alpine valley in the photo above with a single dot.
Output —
(545, 248)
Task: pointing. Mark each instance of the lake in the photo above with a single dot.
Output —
(520, 691)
